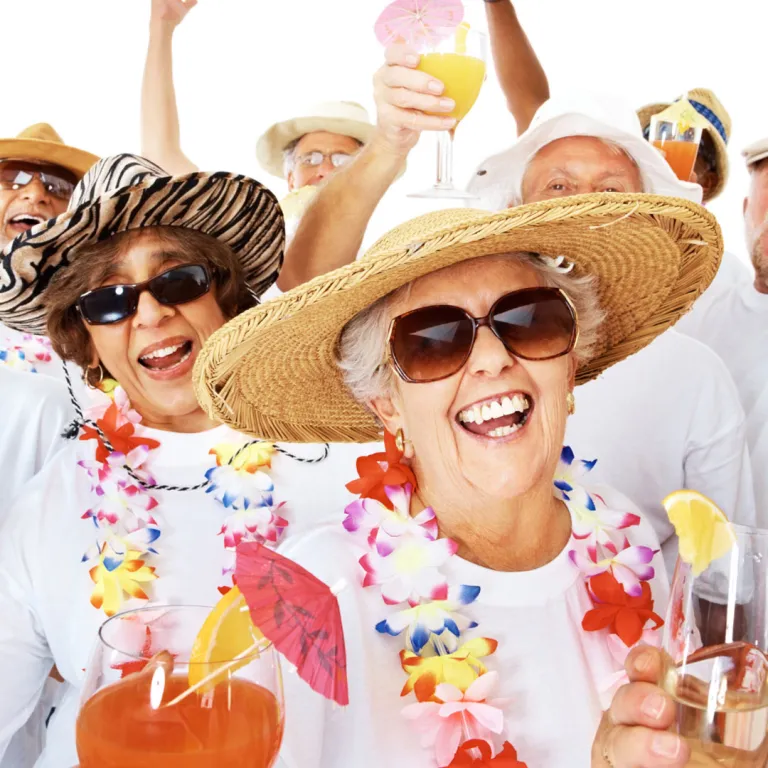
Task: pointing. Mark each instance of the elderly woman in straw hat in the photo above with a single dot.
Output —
(147, 505)
(494, 597)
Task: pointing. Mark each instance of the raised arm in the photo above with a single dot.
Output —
(519, 70)
(331, 231)
(160, 139)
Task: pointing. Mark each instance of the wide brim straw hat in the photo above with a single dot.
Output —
(498, 180)
(346, 118)
(41, 142)
(718, 127)
(126, 192)
(272, 372)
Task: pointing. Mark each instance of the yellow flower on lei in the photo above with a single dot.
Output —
(460, 668)
(248, 460)
(125, 579)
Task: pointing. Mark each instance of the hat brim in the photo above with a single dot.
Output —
(272, 371)
(236, 210)
(270, 147)
(74, 160)
(721, 148)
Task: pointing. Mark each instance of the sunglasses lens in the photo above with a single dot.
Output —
(536, 324)
(111, 304)
(432, 343)
(180, 284)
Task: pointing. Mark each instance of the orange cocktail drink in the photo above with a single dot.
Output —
(462, 76)
(680, 156)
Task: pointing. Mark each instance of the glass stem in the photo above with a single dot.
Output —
(445, 160)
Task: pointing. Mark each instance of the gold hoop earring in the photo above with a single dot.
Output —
(570, 401)
(400, 441)
(88, 381)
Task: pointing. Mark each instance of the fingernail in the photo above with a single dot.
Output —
(449, 122)
(666, 745)
(447, 104)
(644, 661)
(411, 60)
(653, 706)
(435, 86)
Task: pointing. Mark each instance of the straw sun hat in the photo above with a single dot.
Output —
(41, 142)
(127, 192)
(708, 105)
(272, 371)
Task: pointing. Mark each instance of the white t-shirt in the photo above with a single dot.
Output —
(757, 437)
(36, 410)
(556, 677)
(45, 588)
(665, 419)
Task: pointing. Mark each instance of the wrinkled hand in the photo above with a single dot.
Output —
(171, 12)
(634, 733)
(404, 95)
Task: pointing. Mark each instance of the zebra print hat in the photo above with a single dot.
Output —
(127, 192)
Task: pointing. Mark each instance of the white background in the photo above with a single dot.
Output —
(243, 64)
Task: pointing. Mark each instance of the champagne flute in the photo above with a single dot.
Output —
(138, 708)
(458, 60)
(715, 643)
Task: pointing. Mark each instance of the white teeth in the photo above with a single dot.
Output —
(506, 406)
(164, 352)
(26, 218)
(504, 431)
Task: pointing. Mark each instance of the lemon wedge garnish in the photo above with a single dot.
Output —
(226, 633)
(703, 530)
(462, 31)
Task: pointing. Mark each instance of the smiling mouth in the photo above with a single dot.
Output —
(166, 358)
(498, 417)
(25, 221)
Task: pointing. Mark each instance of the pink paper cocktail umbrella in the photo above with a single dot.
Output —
(419, 23)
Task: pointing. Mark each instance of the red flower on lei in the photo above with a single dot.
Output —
(121, 436)
(614, 609)
(380, 470)
(507, 758)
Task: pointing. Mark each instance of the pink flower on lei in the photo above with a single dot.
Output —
(411, 571)
(458, 717)
(262, 524)
(382, 526)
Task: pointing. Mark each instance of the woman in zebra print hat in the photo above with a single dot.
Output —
(148, 505)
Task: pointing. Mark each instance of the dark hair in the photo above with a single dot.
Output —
(66, 328)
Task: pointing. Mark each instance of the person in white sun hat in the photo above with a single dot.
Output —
(685, 426)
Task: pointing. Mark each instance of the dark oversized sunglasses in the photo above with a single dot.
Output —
(433, 343)
(115, 303)
(59, 182)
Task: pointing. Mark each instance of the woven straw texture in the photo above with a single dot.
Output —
(708, 99)
(271, 372)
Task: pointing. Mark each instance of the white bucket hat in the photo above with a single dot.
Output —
(346, 118)
(498, 181)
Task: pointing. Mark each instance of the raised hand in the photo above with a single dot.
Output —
(171, 12)
(404, 95)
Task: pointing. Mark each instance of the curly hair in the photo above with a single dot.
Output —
(66, 328)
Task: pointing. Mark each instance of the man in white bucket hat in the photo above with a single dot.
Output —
(685, 426)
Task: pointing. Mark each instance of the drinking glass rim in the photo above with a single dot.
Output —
(158, 608)
(748, 530)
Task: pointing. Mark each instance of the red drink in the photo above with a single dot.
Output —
(238, 725)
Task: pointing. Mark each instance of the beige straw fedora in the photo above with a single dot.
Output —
(347, 118)
(41, 142)
(719, 127)
(272, 371)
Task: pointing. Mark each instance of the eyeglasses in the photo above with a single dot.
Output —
(16, 174)
(115, 303)
(316, 159)
(433, 343)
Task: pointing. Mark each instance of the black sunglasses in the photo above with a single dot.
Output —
(16, 174)
(115, 303)
(432, 343)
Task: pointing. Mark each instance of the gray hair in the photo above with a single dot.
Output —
(362, 347)
(289, 155)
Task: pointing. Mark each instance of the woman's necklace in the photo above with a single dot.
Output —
(124, 509)
(454, 708)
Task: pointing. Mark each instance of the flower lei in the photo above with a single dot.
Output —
(124, 512)
(455, 711)
(27, 355)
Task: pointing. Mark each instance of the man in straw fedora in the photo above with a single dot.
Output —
(694, 433)
(462, 334)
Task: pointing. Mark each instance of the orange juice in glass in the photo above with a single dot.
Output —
(458, 61)
(676, 133)
(139, 708)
